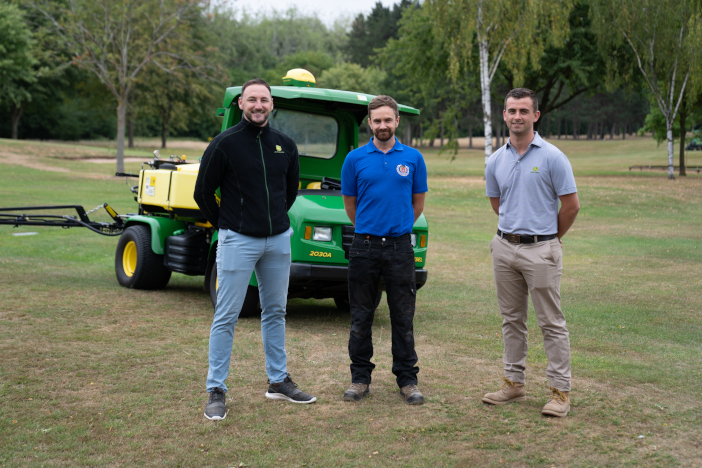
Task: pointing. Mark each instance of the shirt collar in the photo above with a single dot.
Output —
(370, 147)
(537, 141)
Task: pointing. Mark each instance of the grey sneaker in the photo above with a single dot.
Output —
(216, 409)
(287, 390)
(412, 395)
(356, 392)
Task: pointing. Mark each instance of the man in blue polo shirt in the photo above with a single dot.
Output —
(525, 179)
(383, 185)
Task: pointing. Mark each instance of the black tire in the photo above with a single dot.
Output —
(251, 306)
(342, 302)
(136, 265)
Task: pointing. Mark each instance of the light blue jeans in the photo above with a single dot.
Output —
(237, 256)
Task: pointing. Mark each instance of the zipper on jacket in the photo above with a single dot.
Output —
(265, 183)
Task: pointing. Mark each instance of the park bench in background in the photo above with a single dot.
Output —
(664, 168)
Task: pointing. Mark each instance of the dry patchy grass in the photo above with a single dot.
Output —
(97, 375)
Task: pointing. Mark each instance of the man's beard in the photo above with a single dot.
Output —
(250, 118)
(387, 134)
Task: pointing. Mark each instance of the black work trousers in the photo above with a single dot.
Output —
(393, 258)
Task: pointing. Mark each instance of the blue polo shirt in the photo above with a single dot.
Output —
(529, 186)
(384, 184)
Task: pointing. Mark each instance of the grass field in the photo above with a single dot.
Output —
(92, 374)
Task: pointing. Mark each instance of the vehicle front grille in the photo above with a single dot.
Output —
(346, 239)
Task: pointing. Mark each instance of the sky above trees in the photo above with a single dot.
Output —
(328, 11)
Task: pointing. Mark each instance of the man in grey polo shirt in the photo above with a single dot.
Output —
(525, 179)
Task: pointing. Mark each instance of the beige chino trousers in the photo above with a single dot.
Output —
(531, 269)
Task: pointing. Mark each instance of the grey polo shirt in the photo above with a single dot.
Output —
(529, 186)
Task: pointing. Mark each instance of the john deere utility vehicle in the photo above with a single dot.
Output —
(170, 234)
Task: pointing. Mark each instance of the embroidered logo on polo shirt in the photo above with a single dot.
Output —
(278, 149)
(535, 170)
(403, 170)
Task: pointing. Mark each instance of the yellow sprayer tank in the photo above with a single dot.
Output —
(170, 189)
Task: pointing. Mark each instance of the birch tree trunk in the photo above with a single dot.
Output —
(669, 134)
(662, 35)
(485, 94)
(121, 124)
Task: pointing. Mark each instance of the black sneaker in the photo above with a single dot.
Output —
(287, 390)
(216, 409)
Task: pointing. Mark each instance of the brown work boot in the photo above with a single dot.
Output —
(559, 405)
(510, 392)
(412, 395)
(356, 392)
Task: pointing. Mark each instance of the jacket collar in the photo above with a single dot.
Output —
(254, 130)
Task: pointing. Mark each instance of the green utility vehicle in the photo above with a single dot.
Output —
(170, 234)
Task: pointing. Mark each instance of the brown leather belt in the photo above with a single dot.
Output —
(524, 238)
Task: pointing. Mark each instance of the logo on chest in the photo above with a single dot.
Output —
(278, 149)
(403, 170)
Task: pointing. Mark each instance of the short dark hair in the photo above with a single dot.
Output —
(380, 101)
(255, 81)
(519, 93)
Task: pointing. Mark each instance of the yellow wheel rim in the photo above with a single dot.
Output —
(129, 258)
(216, 284)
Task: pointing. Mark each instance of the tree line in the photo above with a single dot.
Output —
(84, 69)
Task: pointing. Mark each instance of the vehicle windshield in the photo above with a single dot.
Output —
(315, 135)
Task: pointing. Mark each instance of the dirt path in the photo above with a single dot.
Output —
(31, 162)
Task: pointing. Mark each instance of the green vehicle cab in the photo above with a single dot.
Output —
(170, 234)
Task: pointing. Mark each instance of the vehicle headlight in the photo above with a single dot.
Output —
(322, 234)
(413, 239)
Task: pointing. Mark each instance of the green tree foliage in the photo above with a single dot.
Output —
(18, 66)
(179, 95)
(353, 77)
(116, 40)
(372, 32)
(418, 72)
(172, 91)
(565, 71)
(664, 36)
(265, 46)
(656, 124)
(514, 31)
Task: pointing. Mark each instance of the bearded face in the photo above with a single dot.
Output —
(256, 103)
(383, 123)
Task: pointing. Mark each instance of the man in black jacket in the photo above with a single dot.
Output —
(257, 171)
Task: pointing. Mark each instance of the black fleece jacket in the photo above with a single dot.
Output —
(257, 170)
